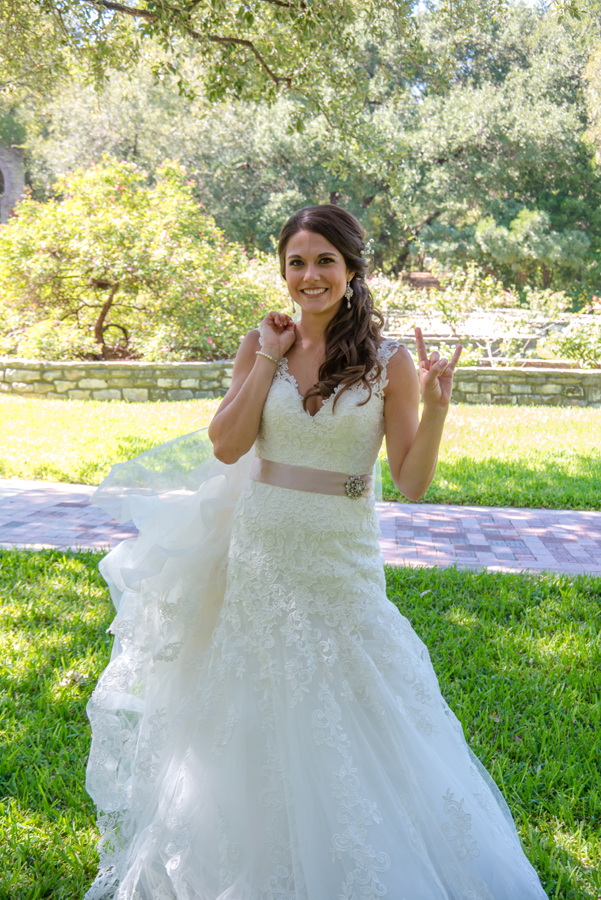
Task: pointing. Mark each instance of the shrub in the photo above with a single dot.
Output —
(117, 267)
(580, 341)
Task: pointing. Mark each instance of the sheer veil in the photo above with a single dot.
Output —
(167, 585)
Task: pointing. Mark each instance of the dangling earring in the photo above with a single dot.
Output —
(348, 294)
(293, 307)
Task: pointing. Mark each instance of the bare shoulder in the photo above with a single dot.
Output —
(400, 364)
(249, 345)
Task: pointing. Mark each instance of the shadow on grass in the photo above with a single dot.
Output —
(570, 483)
(482, 630)
(517, 657)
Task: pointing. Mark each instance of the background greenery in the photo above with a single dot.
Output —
(490, 455)
(464, 132)
(517, 658)
(113, 266)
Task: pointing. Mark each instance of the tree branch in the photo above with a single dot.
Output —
(249, 46)
(126, 10)
(99, 324)
(137, 13)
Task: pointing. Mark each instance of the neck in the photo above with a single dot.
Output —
(312, 327)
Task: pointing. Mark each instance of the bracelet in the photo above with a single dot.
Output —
(267, 356)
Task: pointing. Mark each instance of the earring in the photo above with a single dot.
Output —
(293, 307)
(348, 294)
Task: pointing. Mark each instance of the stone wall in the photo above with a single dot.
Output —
(528, 387)
(140, 382)
(134, 381)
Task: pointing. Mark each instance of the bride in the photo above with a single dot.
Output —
(269, 726)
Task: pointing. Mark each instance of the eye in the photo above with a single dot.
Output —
(327, 259)
(295, 262)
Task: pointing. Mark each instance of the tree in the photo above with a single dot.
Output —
(117, 267)
(423, 160)
(251, 49)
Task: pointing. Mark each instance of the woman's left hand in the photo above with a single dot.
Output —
(435, 374)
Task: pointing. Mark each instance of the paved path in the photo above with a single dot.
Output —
(37, 514)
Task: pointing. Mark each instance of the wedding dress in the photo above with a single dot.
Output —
(269, 726)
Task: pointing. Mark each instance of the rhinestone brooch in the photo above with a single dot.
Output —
(355, 487)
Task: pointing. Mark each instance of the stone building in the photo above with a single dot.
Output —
(12, 180)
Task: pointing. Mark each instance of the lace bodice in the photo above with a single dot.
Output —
(346, 439)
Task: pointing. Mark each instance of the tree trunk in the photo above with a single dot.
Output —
(99, 326)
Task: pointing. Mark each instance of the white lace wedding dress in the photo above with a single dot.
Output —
(269, 726)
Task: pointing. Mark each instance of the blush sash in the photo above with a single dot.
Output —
(303, 478)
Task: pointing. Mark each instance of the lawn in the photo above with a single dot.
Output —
(490, 455)
(518, 659)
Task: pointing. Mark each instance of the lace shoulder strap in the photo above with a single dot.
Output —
(386, 351)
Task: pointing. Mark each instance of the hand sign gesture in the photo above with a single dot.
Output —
(435, 374)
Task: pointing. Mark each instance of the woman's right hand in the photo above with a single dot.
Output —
(277, 333)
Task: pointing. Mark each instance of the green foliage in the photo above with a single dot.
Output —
(467, 291)
(471, 129)
(580, 341)
(525, 251)
(592, 78)
(252, 50)
(464, 290)
(125, 268)
(517, 658)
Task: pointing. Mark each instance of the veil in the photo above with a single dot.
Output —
(167, 585)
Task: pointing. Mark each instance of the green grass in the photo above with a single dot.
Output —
(490, 455)
(517, 456)
(79, 440)
(54, 611)
(518, 660)
(517, 656)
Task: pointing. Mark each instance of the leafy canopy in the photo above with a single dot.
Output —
(488, 164)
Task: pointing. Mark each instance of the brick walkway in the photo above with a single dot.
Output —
(37, 514)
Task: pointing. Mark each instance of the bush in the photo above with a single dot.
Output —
(580, 341)
(117, 267)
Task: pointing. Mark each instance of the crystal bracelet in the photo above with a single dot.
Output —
(267, 356)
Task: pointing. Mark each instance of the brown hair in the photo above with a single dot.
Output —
(353, 335)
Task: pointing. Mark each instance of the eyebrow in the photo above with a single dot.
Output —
(325, 253)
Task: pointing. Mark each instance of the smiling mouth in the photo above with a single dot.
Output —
(313, 292)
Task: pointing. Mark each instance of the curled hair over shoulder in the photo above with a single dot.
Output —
(353, 335)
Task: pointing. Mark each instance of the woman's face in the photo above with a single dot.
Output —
(316, 272)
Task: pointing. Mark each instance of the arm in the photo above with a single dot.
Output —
(413, 444)
(235, 425)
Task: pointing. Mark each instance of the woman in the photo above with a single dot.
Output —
(270, 727)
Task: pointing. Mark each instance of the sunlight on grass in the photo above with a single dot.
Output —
(78, 441)
(490, 455)
(517, 657)
(516, 456)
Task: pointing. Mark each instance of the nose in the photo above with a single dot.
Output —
(311, 273)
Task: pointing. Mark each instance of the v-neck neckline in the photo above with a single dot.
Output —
(292, 380)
